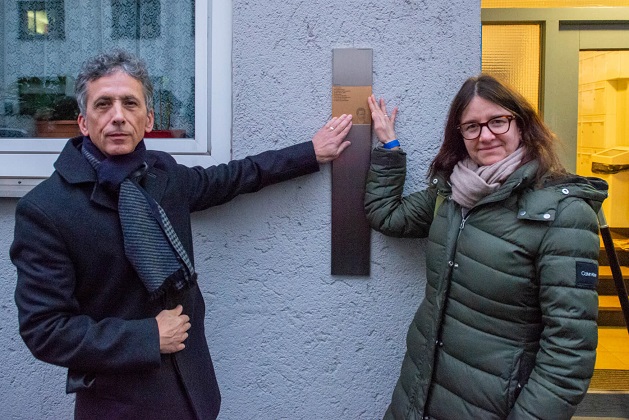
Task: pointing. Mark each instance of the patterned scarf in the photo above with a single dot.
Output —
(470, 182)
(150, 242)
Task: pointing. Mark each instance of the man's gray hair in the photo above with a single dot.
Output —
(108, 63)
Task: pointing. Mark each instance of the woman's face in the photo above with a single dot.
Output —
(489, 148)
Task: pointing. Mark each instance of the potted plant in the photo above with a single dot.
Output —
(58, 120)
(166, 105)
(54, 112)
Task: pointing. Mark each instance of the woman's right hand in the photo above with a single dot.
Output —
(383, 123)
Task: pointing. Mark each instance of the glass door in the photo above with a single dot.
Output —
(601, 56)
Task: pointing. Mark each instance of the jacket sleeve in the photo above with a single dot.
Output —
(219, 184)
(387, 210)
(567, 271)
(50, 319)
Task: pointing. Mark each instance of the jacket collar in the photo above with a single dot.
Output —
(538, 203)
(75, 169)
(523, 177)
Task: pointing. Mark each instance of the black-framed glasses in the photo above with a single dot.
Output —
(497, 125)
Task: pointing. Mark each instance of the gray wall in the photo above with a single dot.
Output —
(289, 340)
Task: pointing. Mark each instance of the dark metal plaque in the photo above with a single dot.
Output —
(351, 233)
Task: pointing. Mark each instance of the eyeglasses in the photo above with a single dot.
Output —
(497, 125)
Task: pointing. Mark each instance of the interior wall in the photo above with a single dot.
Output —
(603, 122)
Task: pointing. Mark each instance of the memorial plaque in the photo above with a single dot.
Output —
(351, 233)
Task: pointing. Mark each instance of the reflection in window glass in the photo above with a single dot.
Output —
(40, 20)
(512, 54)
(43, 50)
(135, 19)
(37, 22)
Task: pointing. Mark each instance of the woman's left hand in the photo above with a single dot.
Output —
(383, 123)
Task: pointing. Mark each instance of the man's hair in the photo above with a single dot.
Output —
(108, 63)
(536, 135)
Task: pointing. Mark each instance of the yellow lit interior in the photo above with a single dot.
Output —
(512, 54)
(603, 125)
(37, 22)
(542, 4)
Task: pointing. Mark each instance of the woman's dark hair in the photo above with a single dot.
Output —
(536, 136)
(108, 63)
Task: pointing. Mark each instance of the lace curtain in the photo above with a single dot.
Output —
(43, 43)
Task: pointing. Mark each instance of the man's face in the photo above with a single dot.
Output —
(117, 117)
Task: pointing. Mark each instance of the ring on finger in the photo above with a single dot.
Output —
(331, 127)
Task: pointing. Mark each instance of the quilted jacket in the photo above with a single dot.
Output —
(507, 328)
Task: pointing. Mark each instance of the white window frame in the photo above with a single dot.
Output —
(26, 162)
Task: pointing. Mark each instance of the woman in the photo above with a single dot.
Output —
(507, 328)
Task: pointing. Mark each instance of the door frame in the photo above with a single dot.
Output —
(564, 32)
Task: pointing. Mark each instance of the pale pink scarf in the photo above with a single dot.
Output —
(470, 182)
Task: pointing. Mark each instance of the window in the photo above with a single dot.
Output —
(135, 19)
(512, 54)
(189, 65)
(41, 20)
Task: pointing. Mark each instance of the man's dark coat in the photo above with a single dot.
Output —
(81, 304)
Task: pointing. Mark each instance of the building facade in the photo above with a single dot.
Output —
(289, 340)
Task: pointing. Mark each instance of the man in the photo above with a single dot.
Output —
(103, 249)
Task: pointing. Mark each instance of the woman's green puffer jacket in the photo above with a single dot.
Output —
(507, 328)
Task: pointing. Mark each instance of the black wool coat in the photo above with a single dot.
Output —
(82, 306)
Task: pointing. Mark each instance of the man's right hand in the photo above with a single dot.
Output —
(329, 142)
(173, 327)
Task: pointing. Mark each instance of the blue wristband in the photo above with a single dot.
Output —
(391, 144)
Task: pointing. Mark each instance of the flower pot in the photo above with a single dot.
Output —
(165, 134)
(57, 129)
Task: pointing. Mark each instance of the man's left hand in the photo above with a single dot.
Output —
(329, 142)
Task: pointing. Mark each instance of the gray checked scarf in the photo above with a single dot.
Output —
(151, 245)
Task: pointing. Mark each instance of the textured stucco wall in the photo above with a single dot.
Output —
(289, 340)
